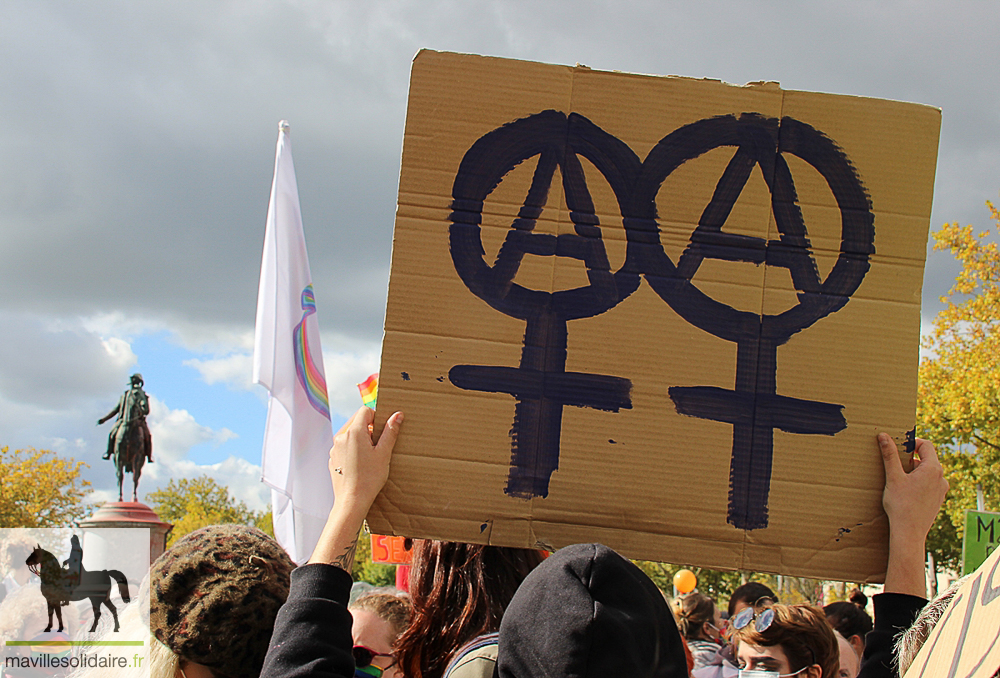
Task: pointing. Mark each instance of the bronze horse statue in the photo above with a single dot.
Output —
(131, 456)
(59, 586)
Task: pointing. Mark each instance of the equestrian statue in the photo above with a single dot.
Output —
(130, 443)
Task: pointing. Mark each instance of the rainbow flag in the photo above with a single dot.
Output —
(369, 390)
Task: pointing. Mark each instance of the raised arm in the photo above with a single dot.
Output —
(312, 634)
(912, 501)
(359, 469)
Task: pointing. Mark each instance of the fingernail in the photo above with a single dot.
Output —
(395, 420)
(883, 439)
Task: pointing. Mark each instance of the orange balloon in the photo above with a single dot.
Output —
(685, 581)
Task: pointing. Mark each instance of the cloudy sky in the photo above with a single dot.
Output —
(138, 139)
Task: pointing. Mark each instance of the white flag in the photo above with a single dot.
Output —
(288, 362)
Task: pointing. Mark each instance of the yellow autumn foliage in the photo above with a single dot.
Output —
(40, 489)
(959, 396)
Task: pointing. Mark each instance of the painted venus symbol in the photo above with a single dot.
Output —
(540, 383)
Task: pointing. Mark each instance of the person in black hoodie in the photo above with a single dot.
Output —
(588, 612)
(312, 633)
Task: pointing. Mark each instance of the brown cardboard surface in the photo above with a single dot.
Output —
(964, 641)
(652, 479)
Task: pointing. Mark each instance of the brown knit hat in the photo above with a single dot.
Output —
(214, 595)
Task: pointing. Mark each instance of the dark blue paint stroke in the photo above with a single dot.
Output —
(540, 383)
(791, 415)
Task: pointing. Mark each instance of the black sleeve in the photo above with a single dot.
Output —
(894, 613)
(312, 634)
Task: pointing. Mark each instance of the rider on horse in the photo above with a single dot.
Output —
(131, 409)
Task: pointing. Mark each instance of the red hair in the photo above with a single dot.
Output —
(458, 591)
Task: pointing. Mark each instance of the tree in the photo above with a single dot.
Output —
(40, 489)
(719, 584)
(959, 396)
(199, 502)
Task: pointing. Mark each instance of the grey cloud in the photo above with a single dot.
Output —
(54, 365)
(139, 137)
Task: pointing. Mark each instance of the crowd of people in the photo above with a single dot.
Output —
(587, 611)
(227, 602)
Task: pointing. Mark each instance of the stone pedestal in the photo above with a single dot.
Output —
(99, 547)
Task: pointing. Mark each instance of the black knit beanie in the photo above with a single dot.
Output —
(214, 595)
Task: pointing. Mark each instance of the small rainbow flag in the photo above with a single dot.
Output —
(369, 390)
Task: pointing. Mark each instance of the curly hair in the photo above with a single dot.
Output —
(803, 633)
(458, 591)
(692, 611)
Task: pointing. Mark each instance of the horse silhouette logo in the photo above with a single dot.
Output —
(70, 581)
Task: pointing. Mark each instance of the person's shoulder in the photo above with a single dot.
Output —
(475, 660)
(478, 664)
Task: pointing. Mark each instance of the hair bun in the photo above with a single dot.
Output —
(858, 598)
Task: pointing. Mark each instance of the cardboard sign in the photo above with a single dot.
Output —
(982, 532)
(390, 550)
(964, 642)
(665, 314)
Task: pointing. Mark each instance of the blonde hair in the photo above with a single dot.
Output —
(24, 613)
(692, 611)
(160, 661)
(909, 643)
(395, 610)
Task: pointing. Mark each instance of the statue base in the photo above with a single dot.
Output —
(125, 514)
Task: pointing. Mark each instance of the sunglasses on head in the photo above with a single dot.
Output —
(761, 611)
(363, 657)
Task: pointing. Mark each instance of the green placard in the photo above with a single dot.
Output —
(982, 532)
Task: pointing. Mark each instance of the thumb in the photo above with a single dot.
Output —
(388, 439)
(890, 457)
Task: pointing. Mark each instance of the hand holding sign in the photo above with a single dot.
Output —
(359, 468)
(912, 501)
